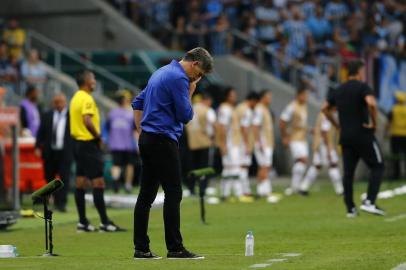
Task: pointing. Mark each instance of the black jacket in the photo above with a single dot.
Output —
(44, 137)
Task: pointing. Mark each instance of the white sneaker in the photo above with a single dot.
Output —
(85, 228)
(353, 213)
(289, 191)
(110, 227)
(368, 207)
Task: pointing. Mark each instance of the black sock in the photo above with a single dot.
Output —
(80, 205)
(116, 186)
(98, 199)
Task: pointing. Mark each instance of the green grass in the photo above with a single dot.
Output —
(315, 226)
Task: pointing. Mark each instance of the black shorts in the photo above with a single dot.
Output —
(123, 158)
(89, 159)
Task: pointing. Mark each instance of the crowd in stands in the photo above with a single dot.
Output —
(320, 36)
(19, 69)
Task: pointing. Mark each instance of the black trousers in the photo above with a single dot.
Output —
(371, 154)
(398, 148)
(160, 166)
(57, 164)
(200, 159)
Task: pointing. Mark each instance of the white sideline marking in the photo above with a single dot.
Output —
(125, 201)
(277, 260)
(291, 254)
(260, 265)
(387, 194)
(396, 218)
(401, 266)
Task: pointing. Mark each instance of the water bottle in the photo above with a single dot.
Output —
(8, 251)
(249, 244)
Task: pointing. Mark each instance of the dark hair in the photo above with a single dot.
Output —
(206, 96)
(81, 77)
(30, 89)
(252, 96)
(354, 66)
(263, 93)
(227, 92)
(119, 99)
(301, 88)
(201, 55)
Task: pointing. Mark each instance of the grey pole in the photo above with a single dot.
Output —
(16, 166)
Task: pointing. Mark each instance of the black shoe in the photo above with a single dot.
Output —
(110, 227)
(183, 254)
(141, 255)
(304, 193)
(85, 228)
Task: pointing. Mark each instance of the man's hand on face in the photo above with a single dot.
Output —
(192, 86)
(197, 80)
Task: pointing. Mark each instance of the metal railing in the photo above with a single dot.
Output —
(42, 43)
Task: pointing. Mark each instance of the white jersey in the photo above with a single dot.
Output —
(225, 118)
(211, 120)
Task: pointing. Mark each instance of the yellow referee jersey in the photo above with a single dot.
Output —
(81, 104)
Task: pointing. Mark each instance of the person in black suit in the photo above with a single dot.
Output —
(54, 144)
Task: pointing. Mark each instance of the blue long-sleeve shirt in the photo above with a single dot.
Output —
(165, 102)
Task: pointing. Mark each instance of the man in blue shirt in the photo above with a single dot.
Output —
(160, 111)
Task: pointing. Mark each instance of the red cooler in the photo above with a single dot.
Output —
(31, 167)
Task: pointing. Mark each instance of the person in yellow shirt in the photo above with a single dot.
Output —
(85, 131)
(397, 131)
(15, 37)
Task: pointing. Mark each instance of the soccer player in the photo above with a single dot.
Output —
(160, 111)
(244, 113)
(121, 134)
(229, 141)
(324, 154)
(264, 142)
(357, 114)
(85, 130)
(200, 133)
(294, 117)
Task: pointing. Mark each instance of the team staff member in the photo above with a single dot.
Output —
(357, 113)
(30, 116)
(161, 110)
(121, 132)
(397, 131)
(85, 130)
(54, 143)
